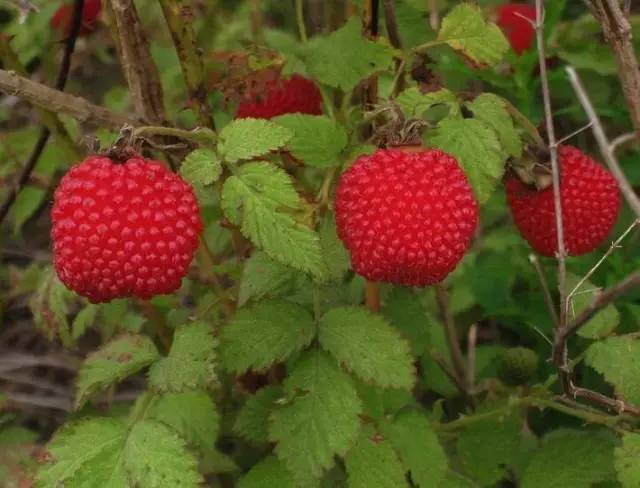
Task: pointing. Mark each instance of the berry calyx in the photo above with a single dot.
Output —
(122, 230)
(62, 18)
(406, 216)
(517, 366)
(590, 202)
(283, 96)
(515, 20)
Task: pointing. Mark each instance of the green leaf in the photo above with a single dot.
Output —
(263, 334)
(86, 453)
(479, 41)
(489, 449)
(85, 319)
(626, 460)
(250, 138)
(192, 414)
(412, 437)
(335, 254)
(50, 306)
(156, 457)
(571, 459)
(317, 140)
(121, 357)
(414, 103)
(201, 167)
(373, 462)
(476, 147)
(320, 421)
(618, 360)
(190, 364)
(604, 322)
(252, 421)
(367, 345)
(256, 198)
(262, 277)
(268, 473)
(27, 202)
(344, 57)
(491, 109)
(403, 310)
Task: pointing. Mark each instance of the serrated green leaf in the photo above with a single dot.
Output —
(85, 319)
(190, 364)
(491, 110)
(320, 421)
(262, 277)
(466, 30)
(317, 140)
(476, 147)
(335, 254)
(250, 138)
(256, 198)
(263, 334)
(156, 457)
(344, 57)
(626, 460)
(488, 450)
(403, 310)
(27, 202)
(415, 442)
(604, 322)
(252, 421)
(201, 167)
(367, 345)
(121, 357)
(373, 462)
(86, 453)
(571, 459)
(414, 103)
(268, 473)
(192, 414)
(618, 360)
(50, 306)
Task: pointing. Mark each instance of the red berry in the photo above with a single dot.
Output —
(590, 204)
(61, 19)
(283, 96)
(406, 217)
(512, 18)
(123, 230)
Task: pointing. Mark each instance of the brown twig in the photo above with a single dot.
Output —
(370, 21)
(372, 296)
(545, 288)
(623, 139)
(391, 23)
(457, 358)
(138, 66)
(434, 15)
(57, 101)
(472, 339)
(617, 32)
(179, 17)
(45, 133)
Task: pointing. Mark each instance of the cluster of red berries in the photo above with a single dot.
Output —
(62, 18)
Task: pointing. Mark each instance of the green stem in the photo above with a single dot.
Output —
(302, 29)
(422, 48)
(195, 135)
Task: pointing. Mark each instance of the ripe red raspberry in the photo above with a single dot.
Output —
(518, 30)
(590, 204)
(283, 96)
(406, 217)
(61, 19)
(123, 230)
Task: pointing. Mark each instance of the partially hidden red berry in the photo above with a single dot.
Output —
(590, 202)
(405, 217)
(62, 18)
(122, 230)
(283, 96)
(516, 19)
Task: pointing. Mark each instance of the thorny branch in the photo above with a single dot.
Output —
(61, 81)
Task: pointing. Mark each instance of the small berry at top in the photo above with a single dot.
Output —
(405, 217)
(296, 94)
(62, 18)
(516, 19)
(123, 230)
(590, 201)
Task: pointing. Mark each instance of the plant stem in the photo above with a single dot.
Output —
(457, 358)
(372, 296)
(302, 28)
